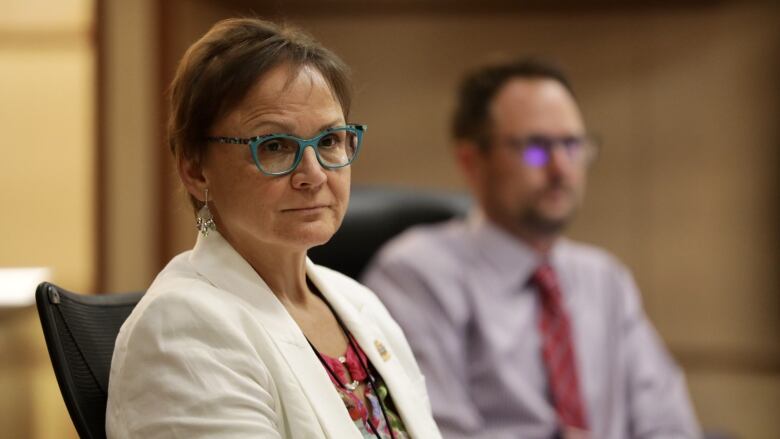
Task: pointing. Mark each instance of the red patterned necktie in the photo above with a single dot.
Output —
(558, 352)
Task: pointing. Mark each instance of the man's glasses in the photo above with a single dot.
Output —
(536, 151)
(280, 154)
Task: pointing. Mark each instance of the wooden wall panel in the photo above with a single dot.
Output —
(686, 100)
(132, 140)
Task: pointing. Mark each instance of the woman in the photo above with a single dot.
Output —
(243, 336)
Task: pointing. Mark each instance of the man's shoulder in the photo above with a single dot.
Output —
(424, 268)
(598, 269)
(585, 255)
(429, 244)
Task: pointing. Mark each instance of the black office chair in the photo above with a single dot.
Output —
(377, 214)
(80, 332)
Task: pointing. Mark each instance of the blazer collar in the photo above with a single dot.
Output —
(217, 261)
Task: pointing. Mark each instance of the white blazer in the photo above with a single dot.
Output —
(211, 352)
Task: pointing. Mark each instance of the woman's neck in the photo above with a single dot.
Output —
(283, 270)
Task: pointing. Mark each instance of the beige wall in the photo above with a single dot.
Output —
(686, 100)
(47, 64)
(47, 120)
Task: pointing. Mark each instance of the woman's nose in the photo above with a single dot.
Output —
(309, 173)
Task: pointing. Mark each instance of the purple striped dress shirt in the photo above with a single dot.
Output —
(460, 291)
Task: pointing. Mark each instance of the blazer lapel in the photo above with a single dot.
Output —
(222, 266)
(319, 390)
(384, 360)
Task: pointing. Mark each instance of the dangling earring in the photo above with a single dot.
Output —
(205, 222)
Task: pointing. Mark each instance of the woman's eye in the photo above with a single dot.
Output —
(331, 140)
(275, 146)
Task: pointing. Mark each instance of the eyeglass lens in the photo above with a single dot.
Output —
(334, 149)
(537, 151)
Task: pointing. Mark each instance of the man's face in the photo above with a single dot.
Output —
(531, 198)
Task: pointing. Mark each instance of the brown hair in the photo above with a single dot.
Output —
(218, 70)
(472, 114)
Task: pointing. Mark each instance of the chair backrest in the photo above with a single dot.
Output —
(377, 214)
(80, 332)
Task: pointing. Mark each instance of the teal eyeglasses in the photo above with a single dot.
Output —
(280, 154)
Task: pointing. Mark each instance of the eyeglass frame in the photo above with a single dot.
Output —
(590, 142)
(255, 141)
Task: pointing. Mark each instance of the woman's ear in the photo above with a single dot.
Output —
(191, 175)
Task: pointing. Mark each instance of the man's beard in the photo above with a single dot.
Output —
(532, 218)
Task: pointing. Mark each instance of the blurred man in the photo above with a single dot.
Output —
(520, 332)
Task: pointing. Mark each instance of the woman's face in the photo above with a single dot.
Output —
(295, 211)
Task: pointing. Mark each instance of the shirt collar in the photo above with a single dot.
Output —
(509, 257)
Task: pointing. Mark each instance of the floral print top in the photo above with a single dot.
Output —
(368, 418)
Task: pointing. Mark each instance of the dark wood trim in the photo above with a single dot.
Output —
(303, 8)
(100, 161)
(166, 65)
(729, 361)
(165, 26)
